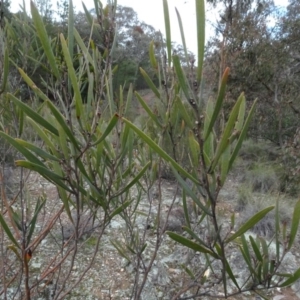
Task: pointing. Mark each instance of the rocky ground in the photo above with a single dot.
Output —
(112, 277)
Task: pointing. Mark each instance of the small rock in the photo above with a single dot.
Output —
(176, 218)
(86, 225)
(115, 224)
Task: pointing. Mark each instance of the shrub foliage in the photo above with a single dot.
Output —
(95, 156)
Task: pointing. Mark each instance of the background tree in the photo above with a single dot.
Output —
(62, 11)
(45, 8)
(249, 39)
(4, 11)
(132, 53)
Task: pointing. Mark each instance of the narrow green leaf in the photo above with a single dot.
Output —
(245, 247)
(65, 198)
(128, 100)
(208, 148)
(294, 225)
(264, 247)
(80, 166)
(265, 263)
(194, 149)
(143, 248)
(125, 140)
(38, 168)
(130, 249)
(15, 250)
(219, 102)
(159, 150)
(284, 275)
(83, 48)
(153, 61)
(39, 64)
(88, 15)
(248, 262)
(208, 114)
(109, 94)
(225, 140)
(46, 173)
(135, 180)
(21, 121)
(118, 210)
(44, 137)
(42, 34)
(224, 165)
(33, 115)
(200, 17)
(37, 150)
(168, 30)
(16, 219)
(227, 266)
(150, 83)
(120, 249)
(112, 123)
(21, 149)
(292, 279)
(8, 232)
(277, 229)
(97, 198)
(181, 77)
(70, 37)
(232, 220)
(240, 121)
(147, 109)
(182, 37)
(61, 120)
(259, 272)
(188, 271)
(39, 205)
(190, 192)
(114, 43)
(250, 223)
(186, 209)
(208, 264)
(5, 70)
(71, 28)
(190, 244)
(193, 235)
(90, 96)
(32, 85)
(255, 246)
(187, 119)
(72, 76)
(64, 144)
(242, 136)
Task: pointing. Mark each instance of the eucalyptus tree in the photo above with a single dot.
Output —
(289, 42)
(45, 8)
(248, 36)
(4, 11)
(134, 37)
